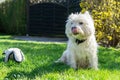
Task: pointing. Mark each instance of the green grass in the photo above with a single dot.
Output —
(39, 63)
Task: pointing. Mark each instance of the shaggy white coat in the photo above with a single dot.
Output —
(82, 55)
(14, 53)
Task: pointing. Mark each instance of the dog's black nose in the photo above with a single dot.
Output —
(74, 28)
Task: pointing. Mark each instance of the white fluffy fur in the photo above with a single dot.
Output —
(15, 53)
(83, 55)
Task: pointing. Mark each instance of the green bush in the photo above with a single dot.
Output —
(12, 16)
(106, 14)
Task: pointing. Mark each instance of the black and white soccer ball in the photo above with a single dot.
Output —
(15, 54)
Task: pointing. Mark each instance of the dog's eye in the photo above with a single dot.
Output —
(80, 23)
(71, 23)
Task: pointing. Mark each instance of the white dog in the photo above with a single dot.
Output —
(14, 53)
(81, 50)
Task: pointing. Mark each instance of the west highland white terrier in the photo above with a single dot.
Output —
(81, 49)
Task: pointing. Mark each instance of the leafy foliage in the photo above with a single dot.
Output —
(106, 14)
(12, 16)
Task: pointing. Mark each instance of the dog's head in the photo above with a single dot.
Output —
(80, 26)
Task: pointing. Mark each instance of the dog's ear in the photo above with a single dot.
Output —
(86, 12)
(70, 16)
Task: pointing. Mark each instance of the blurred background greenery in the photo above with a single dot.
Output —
(106, 15)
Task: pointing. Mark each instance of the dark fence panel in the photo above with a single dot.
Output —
(74, 6)
(47, 17)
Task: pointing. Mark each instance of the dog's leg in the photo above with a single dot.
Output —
(73, 64)
(72, 61)
(93, 60)
(63, 58)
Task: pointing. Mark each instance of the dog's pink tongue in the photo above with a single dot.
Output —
(75, 31)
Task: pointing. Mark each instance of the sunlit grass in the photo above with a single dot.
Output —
(6, 37)
(39, 63)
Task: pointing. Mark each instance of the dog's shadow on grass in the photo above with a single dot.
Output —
(1, 59)
(39, 71)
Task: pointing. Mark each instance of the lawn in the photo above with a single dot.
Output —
(39, 63)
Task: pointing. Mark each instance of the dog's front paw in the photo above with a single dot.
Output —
(58, 61)
(95, 68)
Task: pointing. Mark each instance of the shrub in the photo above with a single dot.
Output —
(106, 14)
(12, 16)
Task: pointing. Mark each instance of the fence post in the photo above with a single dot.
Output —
(27, 7)
(67, 7)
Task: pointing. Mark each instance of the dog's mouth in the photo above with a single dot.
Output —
(75, 30)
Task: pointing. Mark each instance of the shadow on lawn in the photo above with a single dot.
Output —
(1, 59)
(39, 71)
